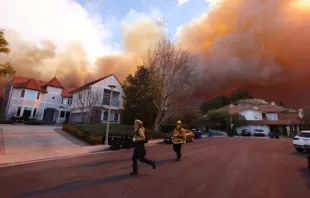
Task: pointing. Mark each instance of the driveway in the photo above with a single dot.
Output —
(211, 167)
(25, 142)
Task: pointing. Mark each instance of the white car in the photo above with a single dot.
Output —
(301, 139)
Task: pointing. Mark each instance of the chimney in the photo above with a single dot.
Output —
(273, 103)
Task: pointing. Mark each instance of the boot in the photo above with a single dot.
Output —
(133, 173)
(153, 164)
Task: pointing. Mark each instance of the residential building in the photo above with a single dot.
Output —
(97, 92)
(268, 118)
(32, 98)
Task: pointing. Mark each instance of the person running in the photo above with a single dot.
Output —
(179, 138)
(139, 148)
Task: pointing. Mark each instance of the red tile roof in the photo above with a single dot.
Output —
(93, 82)
(261, 108)
(39, 85)
(54, 83)
(66, 92)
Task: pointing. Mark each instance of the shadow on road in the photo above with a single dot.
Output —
(71, 186)
(158, 163)
(305, 172)
(298, 154)
(100, 163)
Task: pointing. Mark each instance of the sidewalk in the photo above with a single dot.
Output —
(12, 159)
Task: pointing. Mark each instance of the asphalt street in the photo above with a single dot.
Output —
(212, 167)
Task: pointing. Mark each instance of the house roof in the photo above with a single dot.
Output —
(28, 83)
(93, 82)
(66, 92)
(261, 108)
(54, 83)
(39, 85)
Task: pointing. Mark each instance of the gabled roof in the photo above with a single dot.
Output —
(261, 108)
(39, 85)
(54, 83)
(29, 84)
(93, 82)
(66, 92)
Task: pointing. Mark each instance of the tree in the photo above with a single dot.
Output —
(89, 102)
(189, 117)
(238, 120)
(5, 68)
(219, 118)
(172, 69)
(241, 94)
(139, 96)
(215, 103)
(282, 104)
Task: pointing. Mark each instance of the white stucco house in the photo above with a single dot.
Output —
(100, 89)
(267, 118)
(31, 98)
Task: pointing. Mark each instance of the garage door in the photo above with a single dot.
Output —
(76, 117)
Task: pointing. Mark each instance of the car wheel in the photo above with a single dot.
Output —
(299, 149)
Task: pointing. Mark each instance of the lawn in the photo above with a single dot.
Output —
(115, 129)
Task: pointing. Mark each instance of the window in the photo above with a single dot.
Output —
(31, 94)
(115, 117)
(64, 101)
(105, 116)
(69, 101)
(38, 95)
(19, 110)
(34, 112)
(62, 114)
(80, 96)
(53, 97)
(22, 94)
(106, 97)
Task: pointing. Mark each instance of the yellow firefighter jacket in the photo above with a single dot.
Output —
(140, 135)
(179, 136)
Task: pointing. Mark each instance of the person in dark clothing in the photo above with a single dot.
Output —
(139, 148)
(179, 138)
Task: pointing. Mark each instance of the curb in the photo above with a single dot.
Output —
(48, 159)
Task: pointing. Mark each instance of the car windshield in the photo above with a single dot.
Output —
(167, 128)
(259, 130)
(303, 134)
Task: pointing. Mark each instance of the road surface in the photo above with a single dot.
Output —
(212, 168)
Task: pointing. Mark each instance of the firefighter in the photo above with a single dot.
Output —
(179, 138)
(139, 148)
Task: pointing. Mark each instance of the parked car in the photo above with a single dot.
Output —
(246, 132)
(197, 132)
(301, 140)
(167, 131)
(259, 132)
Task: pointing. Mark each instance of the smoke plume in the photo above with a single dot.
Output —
(259, 45)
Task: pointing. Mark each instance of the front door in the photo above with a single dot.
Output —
(48, 116)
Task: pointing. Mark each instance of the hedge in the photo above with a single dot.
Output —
(83, 136)
(95, 133)
(6, 122)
